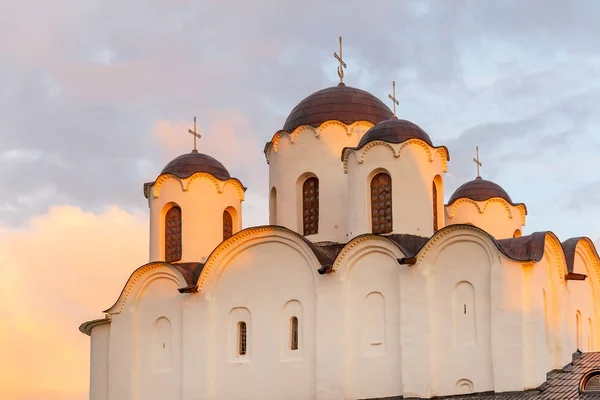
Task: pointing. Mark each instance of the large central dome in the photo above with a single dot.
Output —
(342, 103)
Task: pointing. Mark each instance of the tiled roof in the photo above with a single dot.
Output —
(560, 385)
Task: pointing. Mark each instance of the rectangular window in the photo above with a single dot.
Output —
(241, 338)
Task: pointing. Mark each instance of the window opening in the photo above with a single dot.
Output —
(381, 203)
(310, 206)
(173, 234)
(294, 333)
(435, 211)
(242, 338)
(227, 225)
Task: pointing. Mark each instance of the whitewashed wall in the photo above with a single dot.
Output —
(371, 328)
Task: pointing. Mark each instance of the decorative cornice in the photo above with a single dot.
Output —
(558, 255)
(136, 276)
(185, 183)
(353, 243)
(396, 150)
(484, 205)
(592, 266)
(86, 327)
(273, 145)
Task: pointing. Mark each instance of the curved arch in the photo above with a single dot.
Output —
(360, 246)
(558, 259)
(162, 179)
(218, 260)
(397, 150)
(142, 277)
(273, 144)
(447, 236)
(186, 183)
(587, 251)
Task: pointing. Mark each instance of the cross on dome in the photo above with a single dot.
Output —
(342, 63)
(195, 134)
(476, 160)
(393, 97)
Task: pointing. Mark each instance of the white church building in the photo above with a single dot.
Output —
(364, 284)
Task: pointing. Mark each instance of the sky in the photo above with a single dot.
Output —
(96, 97)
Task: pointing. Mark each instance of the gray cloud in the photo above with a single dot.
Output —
(82, 85)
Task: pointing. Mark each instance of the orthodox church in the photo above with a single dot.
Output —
(364, 285)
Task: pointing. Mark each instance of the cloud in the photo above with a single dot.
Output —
(61, 269)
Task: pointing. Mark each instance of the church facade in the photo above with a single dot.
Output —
(363, 285)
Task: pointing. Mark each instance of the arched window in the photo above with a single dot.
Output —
(310, 206)
(227, 225)
(435, 207)
(590, 383)
(381, 203)
(465, 325)
(242, 334)
(273, 206)
(162, 345)
(173, 234)
(294, 333)
(517, 233)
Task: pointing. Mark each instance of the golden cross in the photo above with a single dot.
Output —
(342, 63)
(393, 97)
(476, 160)
(196, 135)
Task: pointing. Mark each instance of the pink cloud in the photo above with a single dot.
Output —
(63, 268)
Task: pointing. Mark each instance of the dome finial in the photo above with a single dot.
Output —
(393, 97)
(195, 134)
(342, 63)
(476, 160)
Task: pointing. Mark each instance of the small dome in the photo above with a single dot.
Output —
(480, 190)
(394, 130)
(188, 164)
(342, 103)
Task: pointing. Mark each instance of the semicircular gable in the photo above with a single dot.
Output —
(250, 237)
(362, 245)
(452, 234)
(558, 258)
(142, 276)
(585, 248)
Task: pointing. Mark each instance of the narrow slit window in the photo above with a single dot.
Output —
(242, 336)
(381, 203)
(227, 225)
(310, 206)
(173, 234)
(435, 207)
(294, 333)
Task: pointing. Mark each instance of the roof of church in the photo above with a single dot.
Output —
(341, 103)
(395, 130)
(188, 164)
(480, 190)
(570, 245)
(560, 384)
